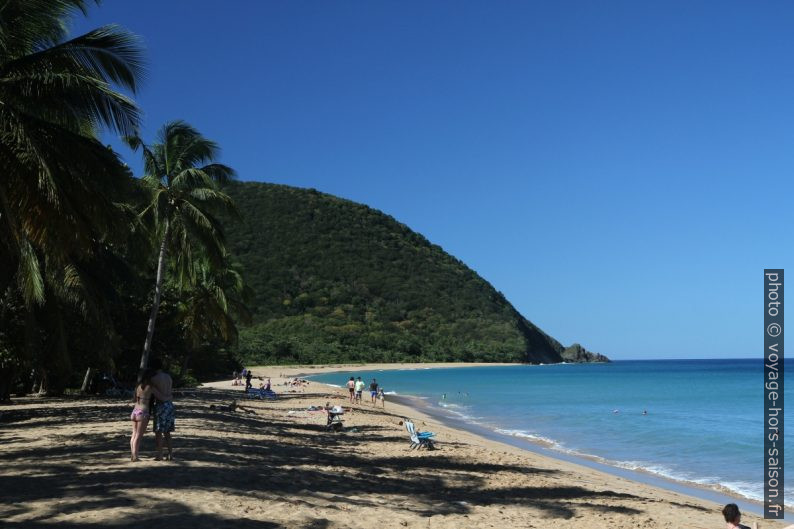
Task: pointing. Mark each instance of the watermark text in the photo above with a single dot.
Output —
(773, 394)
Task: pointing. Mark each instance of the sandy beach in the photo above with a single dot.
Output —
(272, 464)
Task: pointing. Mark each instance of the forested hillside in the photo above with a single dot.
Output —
(338, 281)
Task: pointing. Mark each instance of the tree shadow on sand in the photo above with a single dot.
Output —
(256, 458)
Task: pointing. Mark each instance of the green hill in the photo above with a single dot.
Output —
(336, 281)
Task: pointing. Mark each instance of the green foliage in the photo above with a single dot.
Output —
(73, 251)
(56, 193)
(60, 212)
(338, 281)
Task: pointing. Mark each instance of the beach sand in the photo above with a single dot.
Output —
(272, 464)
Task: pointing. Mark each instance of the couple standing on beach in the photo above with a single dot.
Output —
(155, 384)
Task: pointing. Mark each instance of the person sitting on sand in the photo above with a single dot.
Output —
(351, 387)
(733, 517)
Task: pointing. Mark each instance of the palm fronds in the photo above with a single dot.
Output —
(183, 181)
(58, 180)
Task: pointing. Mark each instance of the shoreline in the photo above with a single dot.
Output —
(537, 446)
(427, 410)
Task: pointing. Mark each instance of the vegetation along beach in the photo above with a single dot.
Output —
(355, 265)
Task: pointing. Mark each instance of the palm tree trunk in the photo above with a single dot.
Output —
(43, 386)
(147, 345)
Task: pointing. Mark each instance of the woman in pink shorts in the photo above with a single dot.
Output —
(140, 413)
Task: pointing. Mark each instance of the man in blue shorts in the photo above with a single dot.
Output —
(164, 416)
(373, 390)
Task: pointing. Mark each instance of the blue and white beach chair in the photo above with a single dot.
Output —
(419, 439)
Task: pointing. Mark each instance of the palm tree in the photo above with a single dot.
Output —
(57, 178)
(183, 181)
(213, 306)
(60, 188)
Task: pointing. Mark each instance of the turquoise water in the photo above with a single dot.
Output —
(704, 421)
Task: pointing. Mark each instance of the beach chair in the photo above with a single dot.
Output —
(419, 439)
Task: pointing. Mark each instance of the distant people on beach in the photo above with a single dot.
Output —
(373, 391)
(351, 387)
(382, 397)
(359, 389)
(236, 379)
(733, 517)
(164, 414)
(297, 383)
(248, 380)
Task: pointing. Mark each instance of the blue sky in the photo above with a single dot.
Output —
(621, 171)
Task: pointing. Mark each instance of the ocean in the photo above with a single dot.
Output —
(693, 421)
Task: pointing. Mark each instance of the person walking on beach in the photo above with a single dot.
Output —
(382, 397)
(248, 381)
(140, 413)
(359, 389)
(351, 386)
(373, 391)
(164, 416)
